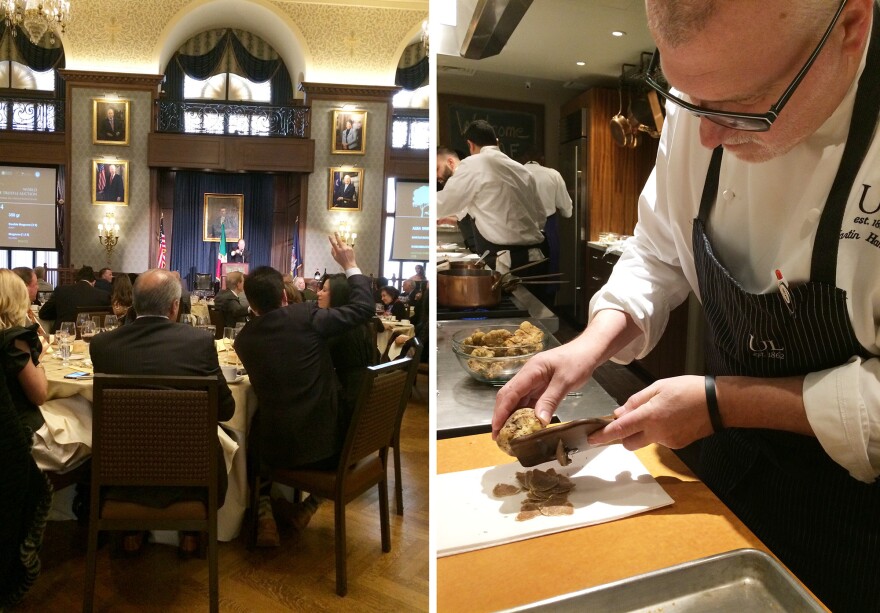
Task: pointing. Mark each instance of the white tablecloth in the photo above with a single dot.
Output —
(67, 436)
(382, 338)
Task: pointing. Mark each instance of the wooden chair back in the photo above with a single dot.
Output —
(153, 431)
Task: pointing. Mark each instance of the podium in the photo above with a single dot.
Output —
(228, 267)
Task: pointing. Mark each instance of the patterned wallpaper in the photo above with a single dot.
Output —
(133, 251)
(368, 221)
(121, 35)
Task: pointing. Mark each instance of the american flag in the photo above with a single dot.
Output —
(162, 246)
(102, 180)
(295, 257)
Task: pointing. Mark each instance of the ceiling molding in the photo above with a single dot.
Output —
(122, 80)
(331, 91)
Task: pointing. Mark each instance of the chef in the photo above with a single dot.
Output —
(773, 219)
(497, 193)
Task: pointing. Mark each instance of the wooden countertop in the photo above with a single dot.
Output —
(698, 524)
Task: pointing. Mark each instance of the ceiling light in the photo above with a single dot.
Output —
(581, 63)
(618, 33)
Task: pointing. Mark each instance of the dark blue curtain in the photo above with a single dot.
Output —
(189, 253)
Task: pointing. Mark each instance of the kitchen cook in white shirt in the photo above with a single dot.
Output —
(551, 189)
(753, 236)
(500, 195)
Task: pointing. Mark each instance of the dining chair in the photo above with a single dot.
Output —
(153, 431)
(411, 349)
(363, 462)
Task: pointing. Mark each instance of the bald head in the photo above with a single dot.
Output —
(157, 292)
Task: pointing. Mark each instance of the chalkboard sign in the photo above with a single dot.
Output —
(519, 126)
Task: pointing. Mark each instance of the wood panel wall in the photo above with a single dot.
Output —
(616, 175)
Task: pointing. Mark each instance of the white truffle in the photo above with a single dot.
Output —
(520, 423)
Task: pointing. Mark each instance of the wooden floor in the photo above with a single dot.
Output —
(298, 576)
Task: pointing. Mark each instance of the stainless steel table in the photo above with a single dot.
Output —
(464, 405)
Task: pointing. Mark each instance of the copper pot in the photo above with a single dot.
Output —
(468, 288)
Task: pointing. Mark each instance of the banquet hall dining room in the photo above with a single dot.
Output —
(208, 137)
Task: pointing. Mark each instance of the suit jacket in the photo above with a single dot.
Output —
(111, 132)
(114, 191)
(157, 346)
(287, 355)
(234, 308)
(230, 226)
(104, 285)
(348, 193)
(351, 139)
(242, 256)
(61, 306)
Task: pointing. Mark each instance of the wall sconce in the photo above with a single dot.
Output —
(345, 232)
(108, 233)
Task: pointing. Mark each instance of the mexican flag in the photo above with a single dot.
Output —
(221, 252)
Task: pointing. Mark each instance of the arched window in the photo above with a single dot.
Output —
(234, 73)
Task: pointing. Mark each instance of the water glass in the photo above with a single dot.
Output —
(65, 348)
(187, 319)
(212, 330)
(111, 322)
(228, 337)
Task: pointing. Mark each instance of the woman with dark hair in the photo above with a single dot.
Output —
(351, 351)
(393, 305)
(121, 299)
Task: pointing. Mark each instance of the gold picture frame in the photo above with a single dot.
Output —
(345, 196)
(349, 132)
(229, 207)
(110, 181)
(111, 121)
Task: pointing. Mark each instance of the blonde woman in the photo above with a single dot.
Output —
(20, 350)
(25, 493)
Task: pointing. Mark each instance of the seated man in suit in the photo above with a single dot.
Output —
(298, 422)
(232, 301)
(64, 301)
(154, 344)
(104, 280)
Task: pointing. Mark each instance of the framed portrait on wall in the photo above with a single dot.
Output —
(109, 181)
(349, 131)
(110, 121)
(346, 187)
(226, 212)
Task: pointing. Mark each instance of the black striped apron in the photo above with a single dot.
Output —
(822, 523)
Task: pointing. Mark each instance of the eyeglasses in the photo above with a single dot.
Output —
(750, 122)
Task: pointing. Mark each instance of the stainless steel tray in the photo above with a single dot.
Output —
(736, 581)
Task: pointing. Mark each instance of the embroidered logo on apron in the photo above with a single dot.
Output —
(766, 348)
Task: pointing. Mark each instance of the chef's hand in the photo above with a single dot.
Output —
(671, 412)
(542, 383)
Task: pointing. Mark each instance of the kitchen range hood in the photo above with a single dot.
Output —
(491, 26)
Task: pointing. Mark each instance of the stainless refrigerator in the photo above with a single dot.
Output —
(574, 232)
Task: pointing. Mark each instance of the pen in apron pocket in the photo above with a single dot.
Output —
(782, 284)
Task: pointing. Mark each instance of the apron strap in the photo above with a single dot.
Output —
(861, 131)
(710, 187)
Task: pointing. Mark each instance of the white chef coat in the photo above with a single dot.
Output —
(551, 190)
(499, 194)
(765, 219)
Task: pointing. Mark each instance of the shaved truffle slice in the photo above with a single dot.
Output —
(502, 490)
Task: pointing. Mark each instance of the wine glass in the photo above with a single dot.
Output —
(187, 319)
(88, 330)
(111, 322)
(228, 338)
(67, 330)
(80, 320)
(96, 321)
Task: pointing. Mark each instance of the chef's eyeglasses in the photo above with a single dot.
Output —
(750, 122)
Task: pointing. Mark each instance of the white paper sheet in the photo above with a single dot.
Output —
(610, 483)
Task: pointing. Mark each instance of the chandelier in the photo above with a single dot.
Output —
(36, 17)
